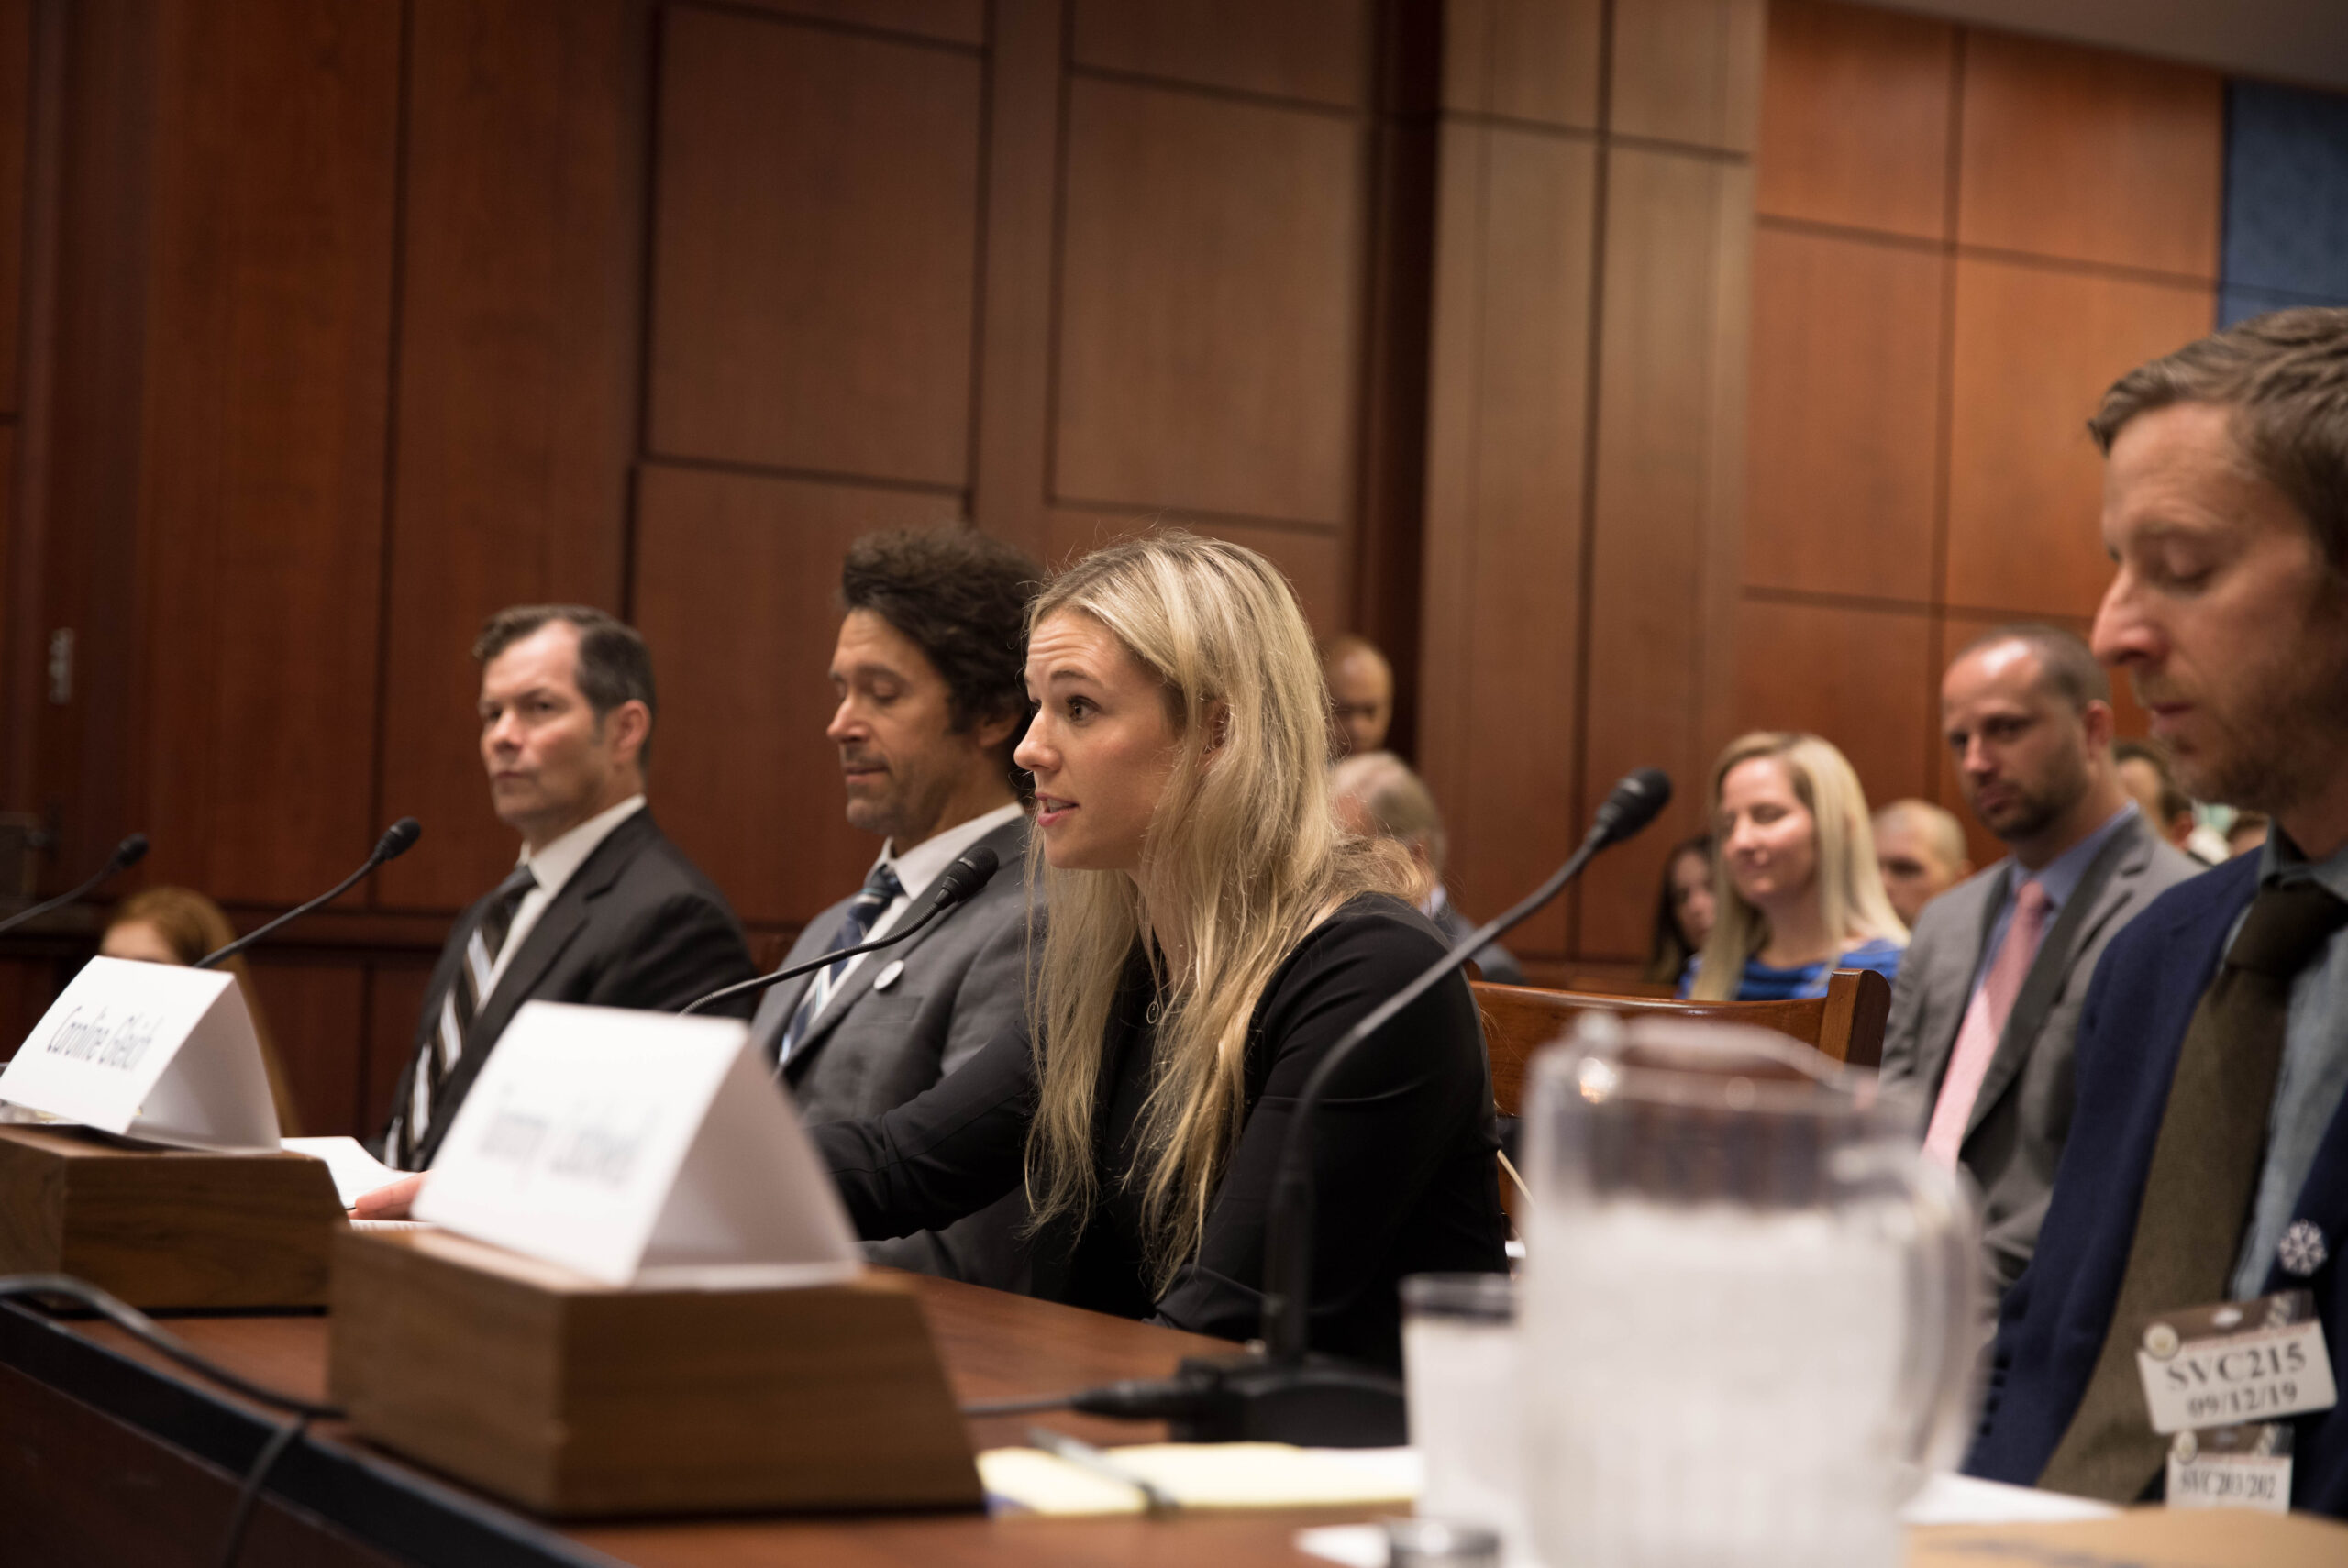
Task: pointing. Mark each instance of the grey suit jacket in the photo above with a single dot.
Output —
(907, 1016)
(2014, 1137)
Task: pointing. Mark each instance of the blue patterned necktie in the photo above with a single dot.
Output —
(881, 889)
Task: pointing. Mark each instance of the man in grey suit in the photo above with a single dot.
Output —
(932, 702)
(1987, 1004)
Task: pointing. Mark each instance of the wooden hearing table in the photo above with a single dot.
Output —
(111, 1455)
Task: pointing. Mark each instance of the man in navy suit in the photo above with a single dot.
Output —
(2207, 1158)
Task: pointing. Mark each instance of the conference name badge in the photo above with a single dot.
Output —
(2233, 1467)
(2234, 1362)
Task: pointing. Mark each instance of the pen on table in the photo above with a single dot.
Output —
(1154, 1498)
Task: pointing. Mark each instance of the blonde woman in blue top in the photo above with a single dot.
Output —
(1795, 875)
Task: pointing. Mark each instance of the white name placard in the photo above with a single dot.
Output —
(152, 1051)
(639, 1149)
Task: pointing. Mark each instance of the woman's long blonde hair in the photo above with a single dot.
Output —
(1242, 858)
(1849, 883)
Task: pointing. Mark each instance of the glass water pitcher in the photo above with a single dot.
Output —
(1751, 1312)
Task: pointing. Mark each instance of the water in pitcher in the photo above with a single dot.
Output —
(1748, 1306)
(1711, 1386)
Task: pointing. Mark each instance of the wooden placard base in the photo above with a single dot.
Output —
(576, 1399)
(167, 1227)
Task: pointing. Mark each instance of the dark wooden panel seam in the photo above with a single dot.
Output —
(1062, 155)
(1593, 400)
(1782, 224)
(1227, 94)
(1944, 415)
(770, 15)
(392, 370)
(1761, 594)
(978, 227)
(1590, 134)
(647, 291)
(653, 460)
(1318, 526)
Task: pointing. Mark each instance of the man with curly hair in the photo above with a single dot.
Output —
(928, 670)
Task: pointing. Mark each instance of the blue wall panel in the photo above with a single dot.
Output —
(2286, 200)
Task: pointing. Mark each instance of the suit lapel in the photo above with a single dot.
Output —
(2108, 887)
(565, 917)
(860, 981)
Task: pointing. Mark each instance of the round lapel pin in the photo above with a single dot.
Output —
(888, 976)
(2302, 1251)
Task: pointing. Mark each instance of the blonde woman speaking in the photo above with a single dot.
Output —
(1209, 935)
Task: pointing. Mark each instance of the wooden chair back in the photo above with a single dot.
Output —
(1847, 1023)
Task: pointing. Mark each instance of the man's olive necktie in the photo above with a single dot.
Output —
(2198, 1191)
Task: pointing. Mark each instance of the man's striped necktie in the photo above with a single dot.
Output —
(466, 992)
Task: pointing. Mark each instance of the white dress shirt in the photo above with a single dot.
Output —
(553, 867)
(924, 863)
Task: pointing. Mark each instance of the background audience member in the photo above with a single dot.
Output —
(2246, 833)
(1799, 893)
(2146, 774)
(1922, 850)
(1684, 911)
(1986, 1007)
(180, 925)
(1361, 692)
(1378, 795)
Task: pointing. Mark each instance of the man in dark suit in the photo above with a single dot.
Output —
(932, 702)
(1986, 1007)
(2207, 1159)
(602, 910)
(1378, 796)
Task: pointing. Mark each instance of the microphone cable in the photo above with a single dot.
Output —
(154, 1335)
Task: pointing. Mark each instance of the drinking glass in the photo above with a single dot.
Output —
(1459, 1373)
(1749, 1304)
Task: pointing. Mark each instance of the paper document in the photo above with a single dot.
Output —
(1963, 1499)
(354, 1169)
(1205, 1476)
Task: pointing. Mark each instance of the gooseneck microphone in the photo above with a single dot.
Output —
(1288, 1248)
(957, 882)
(127, 854)
(1284, 1395)
(397, 840)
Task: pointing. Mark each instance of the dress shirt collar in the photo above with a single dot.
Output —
(917, 867)
(2060, 876)
(1436, 902)
(2280, 861)
(558, 861)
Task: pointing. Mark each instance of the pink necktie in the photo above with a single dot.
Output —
(1984, 1023)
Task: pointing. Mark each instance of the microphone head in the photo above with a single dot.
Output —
(130, 852)
(965, 876)
(1633, 803)
(398, 839)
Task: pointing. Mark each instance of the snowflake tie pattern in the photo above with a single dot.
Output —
(2302, 1251)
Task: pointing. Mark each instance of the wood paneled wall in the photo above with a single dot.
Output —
(339, 326)
(1962, 238)
(1585, 429)
(348, 324)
